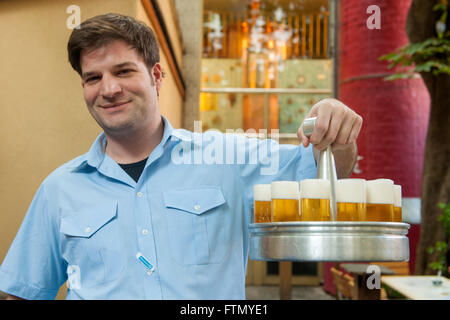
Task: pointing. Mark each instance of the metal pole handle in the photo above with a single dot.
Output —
(326, 168)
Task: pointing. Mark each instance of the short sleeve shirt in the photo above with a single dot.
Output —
(90, 223)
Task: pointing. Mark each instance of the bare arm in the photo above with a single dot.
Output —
(11, 297)
(345, 160)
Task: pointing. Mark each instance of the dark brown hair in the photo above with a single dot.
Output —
(103, 29)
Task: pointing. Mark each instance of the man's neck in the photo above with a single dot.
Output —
(136, 146)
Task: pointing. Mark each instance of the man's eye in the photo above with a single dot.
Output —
(125, 71)
(92, 79)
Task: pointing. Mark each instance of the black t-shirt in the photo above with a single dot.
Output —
(134, 170)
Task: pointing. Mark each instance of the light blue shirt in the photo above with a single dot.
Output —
(187, 215)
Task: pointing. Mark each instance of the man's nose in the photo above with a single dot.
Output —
(110, 86)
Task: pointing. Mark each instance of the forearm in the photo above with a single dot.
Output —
(11, 297)
(345, 160)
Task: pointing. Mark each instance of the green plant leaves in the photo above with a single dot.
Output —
(431, 55)
(441, 247)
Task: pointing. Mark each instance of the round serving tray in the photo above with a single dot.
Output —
(329, 241)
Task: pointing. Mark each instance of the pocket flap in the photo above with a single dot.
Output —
(86, 222)
(196, 201)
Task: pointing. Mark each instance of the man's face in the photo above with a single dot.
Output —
(119, 90)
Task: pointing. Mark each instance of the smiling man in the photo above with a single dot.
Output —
(124, 221)
(121, 91)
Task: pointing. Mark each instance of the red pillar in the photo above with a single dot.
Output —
(395, 114)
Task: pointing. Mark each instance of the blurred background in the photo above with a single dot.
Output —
(250, 64)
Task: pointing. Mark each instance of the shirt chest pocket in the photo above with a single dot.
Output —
(91, 244)
(198, 225)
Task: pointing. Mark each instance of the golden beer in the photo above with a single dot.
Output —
(262, 203)
(285, 206)
(351, 199)
(397, 203)
(397, 214)
(351, 211)
(315, 209)
(314, 200)
(285, 210)
(380, 200)
(262, 211)
(380, 212)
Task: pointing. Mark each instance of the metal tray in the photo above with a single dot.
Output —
(329, 241)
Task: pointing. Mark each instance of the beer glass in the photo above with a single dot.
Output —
(315, 200)
(262, 203)
(397, 203)
(284, 201)
(351, 199)
(380, 200)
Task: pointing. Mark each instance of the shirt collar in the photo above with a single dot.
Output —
(170, 132)
(94, 157)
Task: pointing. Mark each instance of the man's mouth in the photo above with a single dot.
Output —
(114, 106)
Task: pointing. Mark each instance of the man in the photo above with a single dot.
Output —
(142, 215)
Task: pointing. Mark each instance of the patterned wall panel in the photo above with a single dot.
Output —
(221, 111)
(224, 111)
(302, 74)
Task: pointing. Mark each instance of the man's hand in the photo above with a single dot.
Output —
(336, 125)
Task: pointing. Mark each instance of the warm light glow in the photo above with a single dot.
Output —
(288, 32)
(244, 44)
(283, 50)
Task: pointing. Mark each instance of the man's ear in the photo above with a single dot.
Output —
(157, 74)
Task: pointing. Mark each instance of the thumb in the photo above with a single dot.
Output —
(305, 142)
(301, 136)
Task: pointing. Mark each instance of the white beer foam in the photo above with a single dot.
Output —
(284, 190)
(261, 192)
(315, 189)
(380, 191)
(397, 195)
(351, 190)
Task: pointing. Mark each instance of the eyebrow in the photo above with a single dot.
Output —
(117, 66)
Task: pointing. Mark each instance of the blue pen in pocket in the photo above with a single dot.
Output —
(146, 263)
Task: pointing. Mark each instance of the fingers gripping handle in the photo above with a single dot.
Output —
(308, 126)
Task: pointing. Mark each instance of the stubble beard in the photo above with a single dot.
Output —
(122, 128)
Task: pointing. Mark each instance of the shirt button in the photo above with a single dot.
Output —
(139, 194)
(87, 230)
(196, 207)
(144, 232)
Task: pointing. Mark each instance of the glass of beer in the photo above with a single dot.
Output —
(397, 203)
(314, 200)
(380, 200)
(351, 199)
(262, 203)
(284, 201)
